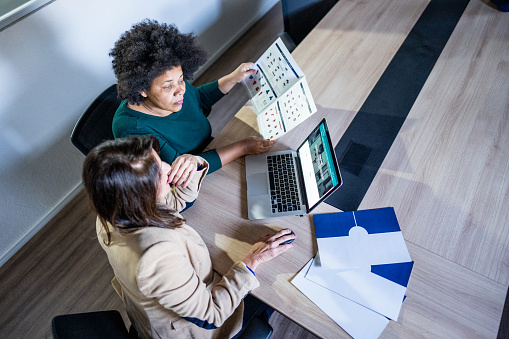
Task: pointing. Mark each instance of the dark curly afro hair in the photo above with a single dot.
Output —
(148, 50)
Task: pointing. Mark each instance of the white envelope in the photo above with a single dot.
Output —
(365, 286)
(358, 321)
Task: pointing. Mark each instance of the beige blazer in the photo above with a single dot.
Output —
(165, 278)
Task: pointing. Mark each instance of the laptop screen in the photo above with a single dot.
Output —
(319, 165)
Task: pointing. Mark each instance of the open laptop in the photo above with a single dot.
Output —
(313, 166)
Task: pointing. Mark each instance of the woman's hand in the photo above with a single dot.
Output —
(227, 82)
(182, 170)
(255, 145)
(268, 247)
(251, 145)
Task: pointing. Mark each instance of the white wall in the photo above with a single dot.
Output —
(53, 63)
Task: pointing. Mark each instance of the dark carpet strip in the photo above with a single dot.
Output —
(503, 329)
(369, 137)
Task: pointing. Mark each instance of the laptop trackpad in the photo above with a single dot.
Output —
(257, 184)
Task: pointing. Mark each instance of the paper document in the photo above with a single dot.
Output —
(279, 92)
(357, 320)
(380, 288)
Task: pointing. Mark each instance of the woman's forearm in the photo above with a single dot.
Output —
(251, 145)
(227, 82)
(231, 152)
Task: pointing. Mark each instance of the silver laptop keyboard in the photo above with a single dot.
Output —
(284, 193)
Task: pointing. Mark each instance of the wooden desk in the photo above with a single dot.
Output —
(446, 174)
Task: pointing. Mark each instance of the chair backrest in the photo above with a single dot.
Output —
(91, 325)
(94, 126)
(301, 16)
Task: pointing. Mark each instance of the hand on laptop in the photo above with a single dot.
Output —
(268, 247)
(255, 145)
(250, 145)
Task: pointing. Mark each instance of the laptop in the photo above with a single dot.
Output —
(292, 182)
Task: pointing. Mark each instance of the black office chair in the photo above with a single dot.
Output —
(109, 325)
(91, 325)
(94, 126)
(300, 17)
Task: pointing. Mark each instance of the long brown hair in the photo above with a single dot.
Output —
(121, 178)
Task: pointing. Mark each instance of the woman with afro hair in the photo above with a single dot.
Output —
(153, 63)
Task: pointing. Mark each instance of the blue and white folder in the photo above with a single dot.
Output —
(363, 257)
(356, 239)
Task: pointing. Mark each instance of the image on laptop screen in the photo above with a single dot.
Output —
(319, 170)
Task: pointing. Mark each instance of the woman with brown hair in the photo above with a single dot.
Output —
(162, 267)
